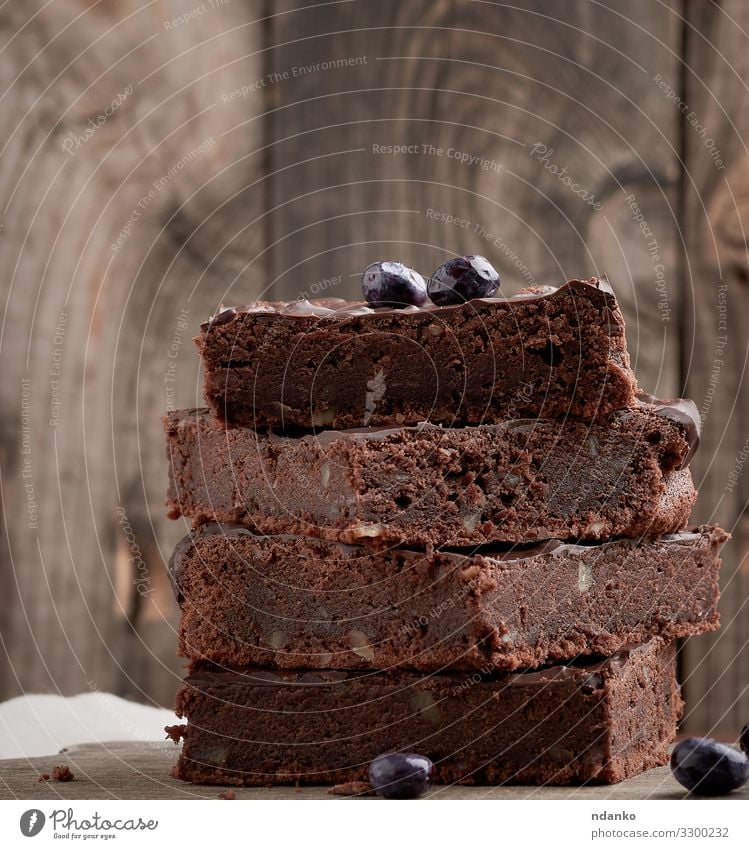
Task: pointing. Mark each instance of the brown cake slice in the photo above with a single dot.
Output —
(303, 603)
(599, 721)
(332, 363)
(517, 481)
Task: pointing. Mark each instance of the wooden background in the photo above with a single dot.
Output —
(238, 164)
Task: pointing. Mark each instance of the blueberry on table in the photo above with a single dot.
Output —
(392, 284)
(462, 279)
(707, 768)
(400, 775)
(744, 739)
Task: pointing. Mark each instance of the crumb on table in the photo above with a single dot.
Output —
(175, 732)
(227, 794)
(351, 788)
(62, 773)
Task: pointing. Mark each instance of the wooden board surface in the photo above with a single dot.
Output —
(141, 771)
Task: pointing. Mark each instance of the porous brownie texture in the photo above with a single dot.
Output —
(332, 363)
(597, 722)
(518, 481)
(302, 603)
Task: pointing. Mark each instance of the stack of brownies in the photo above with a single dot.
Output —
(451, 530)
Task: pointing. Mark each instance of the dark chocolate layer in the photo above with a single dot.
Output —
(342, 309)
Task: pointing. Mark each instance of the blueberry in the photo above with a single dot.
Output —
(708, 768)
(400, 775)
(461, 279)
(744, 740)
(392, 284)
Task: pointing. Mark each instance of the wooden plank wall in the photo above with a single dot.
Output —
(109, 263)
(332, 134)
(715, 341)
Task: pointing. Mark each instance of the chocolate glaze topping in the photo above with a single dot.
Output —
(684, 412)
(223, 316)
(497, 552)
(586, 672)
(339, 309)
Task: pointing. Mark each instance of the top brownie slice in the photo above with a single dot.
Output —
(331, 363)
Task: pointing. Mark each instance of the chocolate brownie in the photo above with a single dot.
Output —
(302, 603)
(600, 721)
(332, 363)
(518, 481)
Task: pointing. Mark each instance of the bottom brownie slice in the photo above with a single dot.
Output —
(600, 721)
